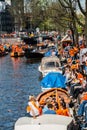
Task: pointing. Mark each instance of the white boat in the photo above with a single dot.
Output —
(43, 122)
(49, 64)
(46, 121)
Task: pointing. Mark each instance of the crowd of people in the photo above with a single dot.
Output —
(51, 106)
(74, 67)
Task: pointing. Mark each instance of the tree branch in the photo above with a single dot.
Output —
(80, 7)
(63, 5)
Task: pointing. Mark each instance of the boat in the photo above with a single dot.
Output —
(17, 51)
(34, 54)
(53, 92)
(49, 64)
(46, 121)
(17, 54)
(3, 53)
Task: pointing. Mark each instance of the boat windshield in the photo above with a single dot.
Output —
(51, 64)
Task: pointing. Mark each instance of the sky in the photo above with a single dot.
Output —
(8, 1)
(83, 2)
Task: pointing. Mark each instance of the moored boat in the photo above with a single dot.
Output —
(49, 64)
(33, 54)
(3, 53)
(46, 121)
(56, 92)
(53, 92)
(17, 54)
(17, 51)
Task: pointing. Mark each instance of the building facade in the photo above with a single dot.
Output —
(6, 19)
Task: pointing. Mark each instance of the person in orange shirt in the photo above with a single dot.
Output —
(65, 110)
(71, 52)
(79, 76)
(57, 109)
(62, 109)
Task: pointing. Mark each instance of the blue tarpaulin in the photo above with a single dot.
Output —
(49, 53)
(53, 80)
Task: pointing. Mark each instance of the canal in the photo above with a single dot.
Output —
(18, 79)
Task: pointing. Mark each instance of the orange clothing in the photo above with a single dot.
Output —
(17, 49)
(82, 46)
(71, 52)
(84, 97)
(76, 49)
(28, 108)
(80, 77)
(39, 108)
(75, 66)
(66, 112)
(59, 112)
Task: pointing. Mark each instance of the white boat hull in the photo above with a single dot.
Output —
(44, 122)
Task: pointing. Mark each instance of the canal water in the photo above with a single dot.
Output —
(18, 79)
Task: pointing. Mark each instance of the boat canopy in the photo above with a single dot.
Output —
(54, 92)
(50, 62)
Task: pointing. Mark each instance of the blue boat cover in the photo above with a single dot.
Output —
(53, 80)
(49, 53)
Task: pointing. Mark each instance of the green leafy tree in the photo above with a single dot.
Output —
(72, 6)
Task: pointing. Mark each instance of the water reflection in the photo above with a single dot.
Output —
(18, 79)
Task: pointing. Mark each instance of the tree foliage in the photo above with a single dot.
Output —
(70, 4)
(59, 14)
